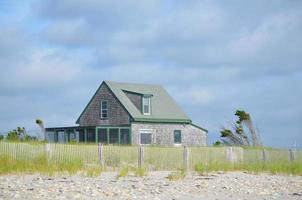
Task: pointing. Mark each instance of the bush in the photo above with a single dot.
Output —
(123, 172)
(177, 175)
(140, 171)
(12, 136)
(1, 137)
(200, 168)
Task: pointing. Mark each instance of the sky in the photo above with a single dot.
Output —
(213, 57)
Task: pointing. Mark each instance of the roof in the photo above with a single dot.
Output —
(163, 107)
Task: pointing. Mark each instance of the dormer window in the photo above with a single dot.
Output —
(104, 109)
(147, 105)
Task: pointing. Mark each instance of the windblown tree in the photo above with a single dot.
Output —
(244, 132)
(18, 134)
(40, 123)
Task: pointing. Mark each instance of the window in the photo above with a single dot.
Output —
(177, 137)
(104, 109)
(145, 136)
(102, 135)
(125, 136)
(146, 105)
(113, 135)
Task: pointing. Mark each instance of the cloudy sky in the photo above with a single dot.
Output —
(212, 56)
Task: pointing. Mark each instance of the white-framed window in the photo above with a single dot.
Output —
(146, 136)
(146, 105)
(104, 109)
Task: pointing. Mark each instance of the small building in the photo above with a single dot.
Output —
(124, 113)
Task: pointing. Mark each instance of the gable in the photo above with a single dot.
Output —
(91, 116)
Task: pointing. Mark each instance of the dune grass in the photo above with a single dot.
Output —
(42, 166)
(51, 159)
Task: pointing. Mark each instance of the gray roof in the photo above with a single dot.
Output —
(163, 107)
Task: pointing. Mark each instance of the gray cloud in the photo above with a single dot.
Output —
(212, 56)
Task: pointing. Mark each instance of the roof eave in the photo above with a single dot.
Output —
(154, 120)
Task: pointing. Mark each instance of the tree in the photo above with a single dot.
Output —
(40, 123)
(12, 135)
(241, 136)
(1, 137)
(19, 134)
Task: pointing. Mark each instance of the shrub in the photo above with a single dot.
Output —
(140, 171)
(123, 172)
(12, 136)
(93, 171)
(200, 168)
(177, 175)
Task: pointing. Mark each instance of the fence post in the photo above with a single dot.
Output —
(229, 155)
(263, 155)
(140, 156)
(291, 155)
(186, 158)
(47, 151)
(100, 153)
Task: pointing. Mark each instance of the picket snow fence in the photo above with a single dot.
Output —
(152, 157)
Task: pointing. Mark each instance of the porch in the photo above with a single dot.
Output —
(90, 134)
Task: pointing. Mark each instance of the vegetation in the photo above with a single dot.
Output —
(40, 123)
(200, 169)
(123, 171)
(244, 132)
(93, 171)
(31, 157)
(140, 171)
(1, 137)
(177, 175)
(19, 134)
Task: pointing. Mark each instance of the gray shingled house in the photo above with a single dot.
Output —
(124, 113)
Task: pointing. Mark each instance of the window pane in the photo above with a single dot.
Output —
(146, 105)
(177, 137)
(104, 104)
(145, 138)
(146, 109)
(125, 136)
(104, 109)
(90, 135)
(113, 135)
(81, 136)
(102, 135)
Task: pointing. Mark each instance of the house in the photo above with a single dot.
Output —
(124, 113)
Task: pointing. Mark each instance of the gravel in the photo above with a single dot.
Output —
(231, 185)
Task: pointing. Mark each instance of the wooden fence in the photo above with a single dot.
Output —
(154, 158)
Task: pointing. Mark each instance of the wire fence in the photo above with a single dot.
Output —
(151, 157)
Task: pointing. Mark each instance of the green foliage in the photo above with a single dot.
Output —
(217, 143)
(12, 136)
(226, 133)
(73, 141)
(239, 129)
(1, 137)
(93, 171)
(140, 171)
(123, 171)
(242, 115)
(39, 121)
(19, 134)
(30, 138)
(177, 175)
(200, 168)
